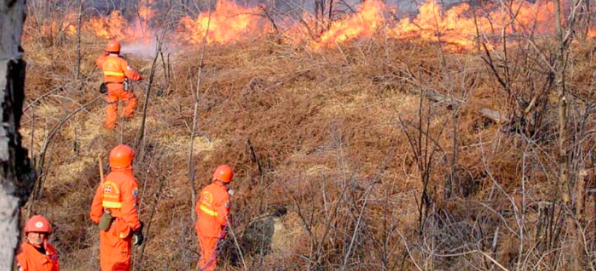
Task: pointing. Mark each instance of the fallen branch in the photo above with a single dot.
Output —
(47, 142)
(490, 114)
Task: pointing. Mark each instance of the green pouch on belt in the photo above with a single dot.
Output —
(105, 221)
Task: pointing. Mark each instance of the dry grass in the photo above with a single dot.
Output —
(326, 130)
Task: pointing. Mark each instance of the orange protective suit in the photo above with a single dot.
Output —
(30, 259)
(115, 70)
(118, 194)
(212, 212)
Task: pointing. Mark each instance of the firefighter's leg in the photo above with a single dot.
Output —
(112, 109)
(130, 103)
(208, 259)
(114, 252)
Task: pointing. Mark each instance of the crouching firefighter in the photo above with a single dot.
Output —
(116, 73)
(36, 253)
(114, 208)
(212, 210)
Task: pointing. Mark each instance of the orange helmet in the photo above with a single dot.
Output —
(38, 223)
(223, 173)
(113, 46)
(121, 156)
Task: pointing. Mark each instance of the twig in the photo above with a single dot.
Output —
(100, 167)
(236, 244)
(471, 252)
(346, 257)
(408, 250)
(157, 200)
(191, 166)
(141, 136)
(363, 208)
(254, 156)
(78, 67)
(49, 139)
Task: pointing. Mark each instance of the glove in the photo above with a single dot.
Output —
(103, 89)
(230, 192)
(137, 236)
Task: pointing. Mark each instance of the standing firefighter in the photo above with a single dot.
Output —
(114, 207)
(115, 72)
(212, 212)
(36, 254)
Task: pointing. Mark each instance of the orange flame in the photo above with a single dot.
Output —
(111, 27)
(362, 24)
(432, 24)
(116, 26)
(145, 10)
(146, 13)
(64, 25)
(458, 27)
(228, 23)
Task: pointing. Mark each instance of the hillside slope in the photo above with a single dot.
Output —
(371, 172)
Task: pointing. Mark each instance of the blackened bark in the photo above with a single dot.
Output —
(16, 175)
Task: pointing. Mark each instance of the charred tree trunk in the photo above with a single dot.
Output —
(16, 174)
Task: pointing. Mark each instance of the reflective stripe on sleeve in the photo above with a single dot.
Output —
(208, 211)
(111, 204)
(111, 73)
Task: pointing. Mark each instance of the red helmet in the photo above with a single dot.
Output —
(121, 156)
(38, 223)
(113, 46)
(223, 173)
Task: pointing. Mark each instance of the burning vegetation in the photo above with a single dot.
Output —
(461, 26)
(364, 136)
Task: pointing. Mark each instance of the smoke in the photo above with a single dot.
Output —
(142, 48)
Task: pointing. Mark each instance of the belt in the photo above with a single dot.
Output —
(120, 83)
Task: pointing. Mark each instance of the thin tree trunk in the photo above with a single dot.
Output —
(16, 175)
(78, 71)
(140, 142)
(191, 164)
(564, 185)
(330, 12)
(560, 83)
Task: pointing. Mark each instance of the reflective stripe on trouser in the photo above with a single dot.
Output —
(130, 103)
(208, 259)
(114, 252)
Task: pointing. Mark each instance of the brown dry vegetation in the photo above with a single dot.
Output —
(374, 176)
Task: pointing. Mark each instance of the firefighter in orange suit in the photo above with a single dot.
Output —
(115, 71)
(212, 213)
(114, 207)
(36, 254)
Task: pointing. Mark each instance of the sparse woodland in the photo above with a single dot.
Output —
(388, 150)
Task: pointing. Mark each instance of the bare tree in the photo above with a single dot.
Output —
(16, 175)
